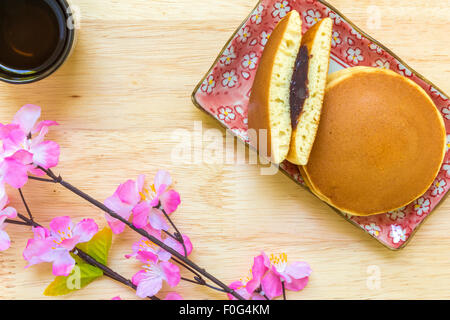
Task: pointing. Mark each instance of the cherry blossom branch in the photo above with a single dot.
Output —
(41, 179)
(196, 281)
(26, 205)
(20, 223)
(177, 235)
(284, 290)
(85, 257)
(162, 245)
(197, 278)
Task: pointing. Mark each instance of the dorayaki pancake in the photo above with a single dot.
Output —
(380, 143)
(317, 41)
(268, 110)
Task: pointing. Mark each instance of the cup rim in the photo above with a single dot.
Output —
(64, 54)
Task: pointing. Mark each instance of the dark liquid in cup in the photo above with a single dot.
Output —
(32, 35)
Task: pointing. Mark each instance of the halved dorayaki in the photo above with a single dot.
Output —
(288, 89)
(268, 111)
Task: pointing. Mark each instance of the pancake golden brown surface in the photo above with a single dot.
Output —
(380, 143)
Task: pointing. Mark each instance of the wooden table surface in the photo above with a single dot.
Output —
(127, 88)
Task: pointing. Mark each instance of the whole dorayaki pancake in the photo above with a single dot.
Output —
(380, 143)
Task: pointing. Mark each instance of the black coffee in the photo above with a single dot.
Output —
(32, 35)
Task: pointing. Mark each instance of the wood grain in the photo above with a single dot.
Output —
(127, 88)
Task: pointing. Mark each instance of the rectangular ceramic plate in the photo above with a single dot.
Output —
(224, 93)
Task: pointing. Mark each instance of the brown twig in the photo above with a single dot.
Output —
(26, 205)
(20, 223)
(177, 236)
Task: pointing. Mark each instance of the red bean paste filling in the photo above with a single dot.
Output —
(299, 85)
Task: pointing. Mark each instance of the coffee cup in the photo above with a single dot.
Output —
(36, 38)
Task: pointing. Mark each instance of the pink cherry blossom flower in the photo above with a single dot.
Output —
(250, 287)
(5, 241)
(240, 288)
(54, 245)
(5, 213)
(271, 285)
(176, 245)
(258, 270)
(268, 276)
(169, 296)
(294, 275)
(159, 193)
(144, 201)
(156, 197)
(264, 282)
(173, 296)
(150, 279)
(148, 246)
(144, 214)
(126, 197)
(14, 169)
(24, 148)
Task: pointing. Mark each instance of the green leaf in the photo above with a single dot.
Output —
(98, 247)
(83, 273)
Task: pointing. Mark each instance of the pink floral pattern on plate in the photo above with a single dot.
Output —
(225, 91)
